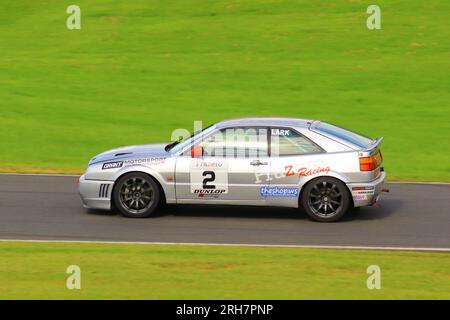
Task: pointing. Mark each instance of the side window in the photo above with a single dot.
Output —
(286, 142)
(239, 142)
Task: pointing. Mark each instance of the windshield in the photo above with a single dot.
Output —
(346, 135)
(176, 146)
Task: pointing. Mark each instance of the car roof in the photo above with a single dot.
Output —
(265, 121)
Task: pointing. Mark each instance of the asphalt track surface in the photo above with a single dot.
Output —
(48, 208)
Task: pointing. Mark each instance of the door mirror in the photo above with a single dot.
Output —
(196, 152)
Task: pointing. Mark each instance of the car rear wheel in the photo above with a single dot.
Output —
(136, 195)
(325, 199)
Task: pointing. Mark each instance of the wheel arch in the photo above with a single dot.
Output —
(125, 172)
(334, 176)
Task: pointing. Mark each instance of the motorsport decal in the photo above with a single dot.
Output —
(129, 162)
(209, 179)
(304, 171)
(267, 191)
(152, 160)
(112, 165)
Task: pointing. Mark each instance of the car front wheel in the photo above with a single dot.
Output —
(325, 199)
(136, 195)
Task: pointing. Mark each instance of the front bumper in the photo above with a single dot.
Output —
(366, 194)
(95, 194)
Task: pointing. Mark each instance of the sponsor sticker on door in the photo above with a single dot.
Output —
(209, 179)
(267, 191)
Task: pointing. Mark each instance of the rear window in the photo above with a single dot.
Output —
(344, 134)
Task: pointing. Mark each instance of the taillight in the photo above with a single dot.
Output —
(370, 163)
(367, 163)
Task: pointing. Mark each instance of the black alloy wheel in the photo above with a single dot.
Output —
(136, 195)
(325, 199)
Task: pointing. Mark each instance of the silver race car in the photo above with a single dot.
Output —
(282, 162)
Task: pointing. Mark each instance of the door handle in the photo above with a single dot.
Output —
(258, 163)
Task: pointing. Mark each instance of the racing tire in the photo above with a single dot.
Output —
(325, 199)
(136, 195)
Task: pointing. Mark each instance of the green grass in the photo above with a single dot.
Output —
(139, 69)
(124, 271)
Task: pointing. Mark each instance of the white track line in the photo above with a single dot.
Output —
(77, 175)
(419, 182)
(40, 174)
(237, 245)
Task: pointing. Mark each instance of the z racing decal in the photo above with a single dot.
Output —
(304, 171)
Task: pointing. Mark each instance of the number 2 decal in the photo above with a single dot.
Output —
(210, 179)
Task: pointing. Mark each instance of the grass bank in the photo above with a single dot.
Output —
(138, 70)
(125, 271)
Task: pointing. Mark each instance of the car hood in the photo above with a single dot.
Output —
(153, 150)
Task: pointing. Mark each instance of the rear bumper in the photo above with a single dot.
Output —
(95, 194)
(366, 194)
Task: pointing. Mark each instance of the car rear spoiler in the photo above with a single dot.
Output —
(374, 144)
